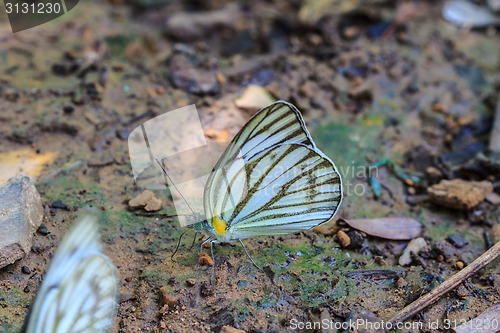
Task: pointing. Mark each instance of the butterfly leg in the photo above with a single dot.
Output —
(244, 248)
(201, 249)
(213, 263)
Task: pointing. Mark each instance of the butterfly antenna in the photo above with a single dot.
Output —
(194, 239)
(170, 179)
(177, 247)
(244, 248)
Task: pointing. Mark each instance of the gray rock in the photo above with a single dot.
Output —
(21, 214)
(189, 73)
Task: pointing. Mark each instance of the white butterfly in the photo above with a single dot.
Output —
(271, 180)
(78, 291)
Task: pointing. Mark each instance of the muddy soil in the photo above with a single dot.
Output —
(371, 84)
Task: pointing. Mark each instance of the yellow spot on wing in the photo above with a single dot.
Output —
(220, 225)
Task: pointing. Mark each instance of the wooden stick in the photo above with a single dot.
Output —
(424, 301)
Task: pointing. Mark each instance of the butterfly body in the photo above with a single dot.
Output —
(271, 180)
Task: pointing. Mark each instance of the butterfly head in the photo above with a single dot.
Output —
(214, 227)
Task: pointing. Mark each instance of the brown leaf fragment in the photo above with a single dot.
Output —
(399, 228)
(459, 194)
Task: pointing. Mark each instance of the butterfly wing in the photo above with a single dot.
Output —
(291, 188)
(279, 123)
(272, 179)
(78, 291)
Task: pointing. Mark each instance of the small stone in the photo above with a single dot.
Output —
(205, 260)
(459, 194)
(380, 261)
(495, 233)
(364, 321)
(363, 90)
(59, 205)
(357, 240)
(21, 214)
(457, 240)
(351, 32)
(440, 258)
(494, 198)
(343, 239)
(191, 282)
(167, 298)
(413, 247)
(327, 229)
(43, 230)
(460, 264)
(25, 270)
(147, 200)
(254, 98)
(433, 172)
(68, 109)
(191, 77)
(229, 329)
(122, 134)
(206, 290)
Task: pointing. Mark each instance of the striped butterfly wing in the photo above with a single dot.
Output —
(279, 123)
(278, 189)
(78, 291)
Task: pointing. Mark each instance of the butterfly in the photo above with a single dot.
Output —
(271, 180)
(78, 291)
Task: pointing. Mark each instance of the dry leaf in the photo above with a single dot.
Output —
(400, 228)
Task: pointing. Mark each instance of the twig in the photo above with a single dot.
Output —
(424, 301)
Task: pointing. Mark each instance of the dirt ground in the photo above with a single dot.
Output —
(371, 83)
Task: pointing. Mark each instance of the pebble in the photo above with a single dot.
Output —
(205, 260)
(457, 240)
(190, 282)
(494, 198)
(400, 282)
(460, 265)
(188, 26)
(189, 76)
(167, 298)
(495, 233)
(369, 322)
(414, 246)
(229, 329)
(43, 230)
(122, 134)
(254, 98)
(68, 109)
(147, 200)
(327, 229)
(357, 240)
(58, 204)
(21, 214)
(343, 238)
(25, 270)
(459, 194)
